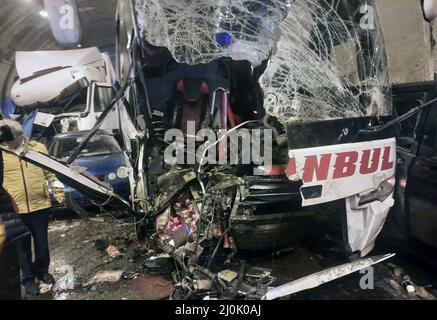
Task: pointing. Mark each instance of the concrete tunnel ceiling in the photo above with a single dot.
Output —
(24, 28)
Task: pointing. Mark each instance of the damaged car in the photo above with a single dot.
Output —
(412, 221)
(103, 158)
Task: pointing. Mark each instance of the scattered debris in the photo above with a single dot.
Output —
(409, 286)
(227, 275)
(152, 287)
(101, 245)
(97, 219)
(138, 253)
(422, 293)
(398, 272)
(327, 275)
(112, 251)
(391, 265)
(130, 275)
(45, 287)
(161, 264)
(394, 285)
(160, 256)
(406, 278)
(258, 273)
(255, 281)
(284, 250)
(204, 284)
(62, 226)
(105, 276)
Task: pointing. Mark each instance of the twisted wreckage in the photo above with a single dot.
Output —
(310, 75)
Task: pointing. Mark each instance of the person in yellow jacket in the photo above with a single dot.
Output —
(27, 184)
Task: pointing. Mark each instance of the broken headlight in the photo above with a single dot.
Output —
(112, 176)
(385, 189)
(122, 172)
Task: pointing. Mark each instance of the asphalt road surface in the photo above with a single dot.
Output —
(78, 250)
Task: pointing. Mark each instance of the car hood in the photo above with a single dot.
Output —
(101, 165)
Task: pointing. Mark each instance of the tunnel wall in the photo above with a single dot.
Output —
(408, 40)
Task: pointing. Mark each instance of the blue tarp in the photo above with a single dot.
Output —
(7, 106)
(28, 123)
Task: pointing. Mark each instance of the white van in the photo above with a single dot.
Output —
(70, 88)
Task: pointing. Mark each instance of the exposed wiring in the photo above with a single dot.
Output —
(211, 259)
(399, 119)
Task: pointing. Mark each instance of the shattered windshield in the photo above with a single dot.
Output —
(326, 58)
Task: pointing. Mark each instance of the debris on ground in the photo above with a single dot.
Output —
(152, 287)
(227, 275)
(403, 284)
(284, 250)
(424, 294)
(260, 273)
(130, 275)
(160, 264)
(45, 287)
(105, 276)
(398, 272)
(101, 245)
(97, 219)
(63, 226)
(409, 288)
(394, 285)
(112, 251)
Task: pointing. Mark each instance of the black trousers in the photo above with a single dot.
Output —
(38, 223)
(10, 287)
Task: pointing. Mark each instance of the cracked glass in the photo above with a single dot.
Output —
(323, 59)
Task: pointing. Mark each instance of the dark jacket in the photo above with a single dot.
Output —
(11, 227)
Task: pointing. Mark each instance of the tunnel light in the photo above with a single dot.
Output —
(43, 13)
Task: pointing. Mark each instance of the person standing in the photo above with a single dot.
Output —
(27, 184)
(11, 231)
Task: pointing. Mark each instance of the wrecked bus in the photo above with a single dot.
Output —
(313, 73)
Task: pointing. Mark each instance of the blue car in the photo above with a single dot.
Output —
(102, 157)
